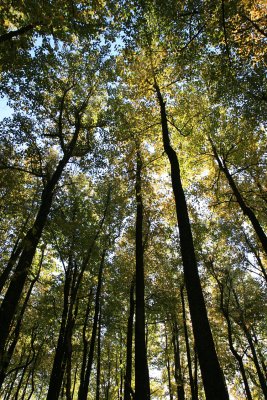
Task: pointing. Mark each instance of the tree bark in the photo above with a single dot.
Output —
(142, 388)
(57, 372)
(194, 395)
(84, 385)
(11, 262)
(129, 345)
(225, 312)
(21, 31)
(257, 256)
(247, 333)
(168, 363)
(212, 375)
(246, 209)
(98, 367)
(12, 297)
(9, 353)
(177, 361)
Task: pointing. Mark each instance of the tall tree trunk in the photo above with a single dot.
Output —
(12, 297)
(107, 389)
(11, 262)
(246, 210)
(212, 375)
(98, 367)
(196, 372)
(225, 312)
(168, 362)
(177, 361)
(74, 382)
(17, 249)
(17, 393)
(9, 390)
(9, 353)
(68, 346)
(129, 345)
(57, 372)
(142, 388)
(84, 385)
(194, 395)
(247, 333)
(85, 340)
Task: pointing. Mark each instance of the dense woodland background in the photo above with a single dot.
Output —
(126, 116)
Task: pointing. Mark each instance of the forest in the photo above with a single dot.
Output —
(133, 200)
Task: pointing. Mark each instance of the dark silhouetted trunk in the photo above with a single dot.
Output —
(98, 366)
(168, 362)
(84, 385)
(85, 340)
(225, 312)
(142, 388)
(29, 245)
(14, 34)
(213, 379)
(247, 333)
(257, 256)
(9, 353)
(177, 361)
(194, 395)
(58, 369)
(246, 210)
(68, 344)
(108, 384)
(129, 345)
(12, 261)
(17, 249)
(196, 372)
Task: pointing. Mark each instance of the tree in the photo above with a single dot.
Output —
(129, 168)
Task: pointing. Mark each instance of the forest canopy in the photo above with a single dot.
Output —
(133, 200)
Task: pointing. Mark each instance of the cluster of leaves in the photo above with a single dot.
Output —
(89, 71)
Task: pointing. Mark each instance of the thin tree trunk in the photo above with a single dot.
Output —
(252, 348)
(212, 375)
(98, 367)
(32, 385)
(237, 356)
(68, 345)
(168, 362)
(121, 377)
(129, 345)
(194, 395)
(25, 386)
(85, 340)
(11, 386)
(108, 376)
(57, 372)
(142, 388)
(246, 210)
(74, 382)
(225, 312)
(177, 361)
(16, 397)
(196, 372)
(84, 385)
(72, 284)
(257, 256)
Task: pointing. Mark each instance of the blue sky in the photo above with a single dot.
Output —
(5, 110)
